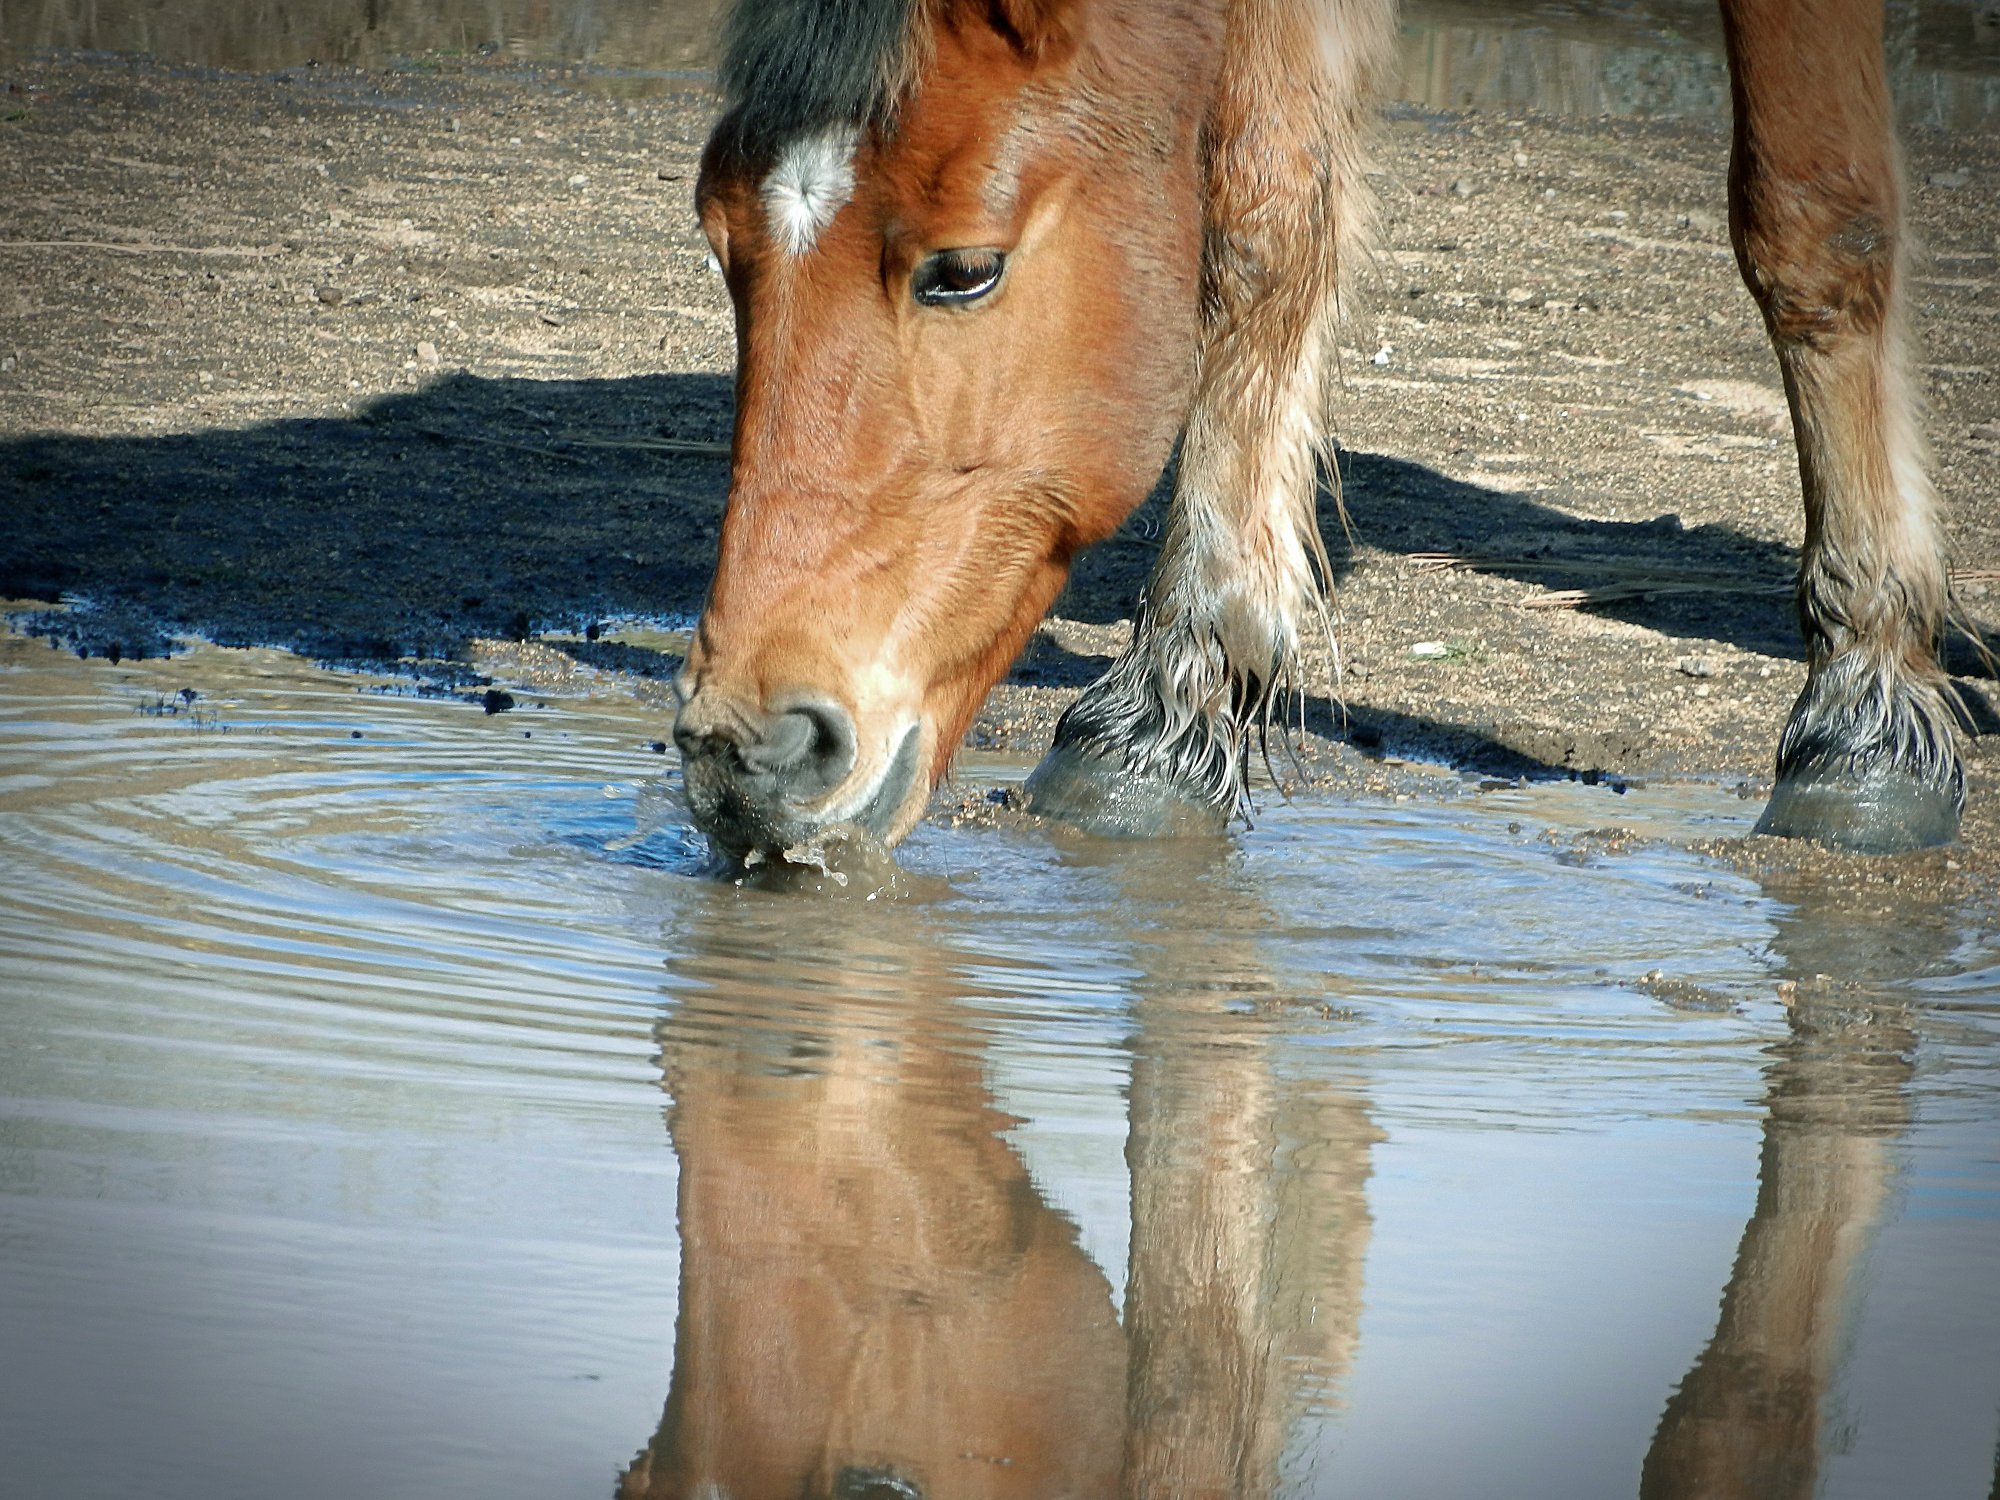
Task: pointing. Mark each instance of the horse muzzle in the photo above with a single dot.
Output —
(769, 778)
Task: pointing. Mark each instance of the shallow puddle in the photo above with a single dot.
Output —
(389, 1106)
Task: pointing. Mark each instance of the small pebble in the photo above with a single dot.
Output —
(1956, 178)
(580, 180)
(1462, 188)
(1430, 650)
(427, 352)
(1696, 666)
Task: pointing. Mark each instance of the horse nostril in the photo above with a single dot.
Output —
(780, 744)
(804, 750)
(825, 745)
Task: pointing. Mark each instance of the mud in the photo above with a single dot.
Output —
(426, 366)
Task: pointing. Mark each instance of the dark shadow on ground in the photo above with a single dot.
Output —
(1399, 506)
(493, 507)
(471, 508)
(502, 508)
(1404, 507)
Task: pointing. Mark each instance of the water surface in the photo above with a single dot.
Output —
(389, 1106)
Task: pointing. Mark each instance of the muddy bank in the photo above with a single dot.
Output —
(379, 365)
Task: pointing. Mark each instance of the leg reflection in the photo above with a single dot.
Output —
(1249, 1217)
(1249, 1232)
(1746, 1422)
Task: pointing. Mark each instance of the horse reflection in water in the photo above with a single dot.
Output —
(1747, 1422)
(878, 1304)
(990, 260)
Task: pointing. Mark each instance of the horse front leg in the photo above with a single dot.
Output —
(1160, 744)
(1867, 760)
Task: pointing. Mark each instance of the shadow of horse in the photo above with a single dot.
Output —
(1397, 506)
(473, 507)
(478, 507)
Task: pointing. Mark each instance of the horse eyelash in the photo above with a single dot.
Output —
(940, 297)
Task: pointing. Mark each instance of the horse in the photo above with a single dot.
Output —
(992, 262)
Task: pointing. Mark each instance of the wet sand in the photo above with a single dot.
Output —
(410, 365)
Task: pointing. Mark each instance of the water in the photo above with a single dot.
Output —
(389, 1106)
(1660, 58)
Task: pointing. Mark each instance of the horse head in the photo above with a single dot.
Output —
(962, 243)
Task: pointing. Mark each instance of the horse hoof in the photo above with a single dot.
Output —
(1877, 811)
(1102, 797)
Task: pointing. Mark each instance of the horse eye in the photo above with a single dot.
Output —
(952, 278)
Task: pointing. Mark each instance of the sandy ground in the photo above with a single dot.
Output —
(411, 365)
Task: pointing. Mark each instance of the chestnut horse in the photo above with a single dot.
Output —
(991, 259)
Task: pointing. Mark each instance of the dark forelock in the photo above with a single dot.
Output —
(792, 66)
